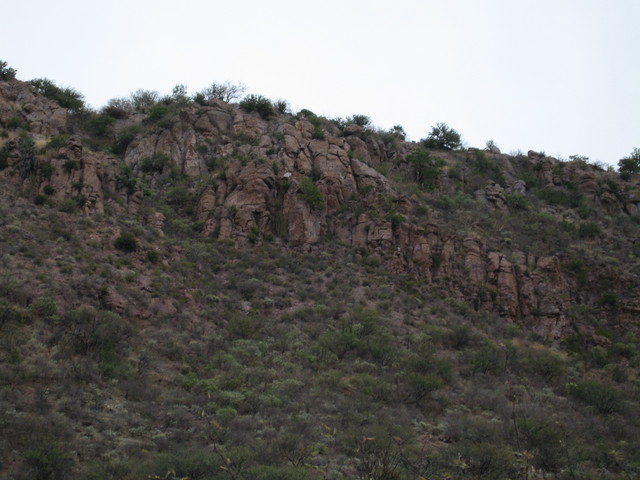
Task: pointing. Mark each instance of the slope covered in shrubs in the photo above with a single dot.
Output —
(153, 328)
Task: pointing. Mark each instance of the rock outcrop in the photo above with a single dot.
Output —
(82, 174)
(288, 180)
(21, 105)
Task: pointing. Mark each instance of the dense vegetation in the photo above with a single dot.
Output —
(296, 367)
(268, 363)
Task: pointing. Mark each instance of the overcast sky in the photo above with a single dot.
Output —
(558, 76)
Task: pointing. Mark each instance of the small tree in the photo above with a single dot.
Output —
(47, 462)
(426, 169)
(6, 72)
(156, 163)
(179, 95)
(311, 194)
(491, 146)
(281, 106)
(118, 108)
(443, 136)
(630, 164)
(360, 120)
(126, 242)
(259, 104)
(65, 96)
(398, 131)
(227, 92)
(27, 152)
(144, 99)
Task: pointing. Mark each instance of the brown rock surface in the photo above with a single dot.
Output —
(249, 171)
(81, 173)
(20, 102)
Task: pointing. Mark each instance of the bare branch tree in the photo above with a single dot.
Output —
(227, 91)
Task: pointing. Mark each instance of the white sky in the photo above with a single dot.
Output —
(559, 76)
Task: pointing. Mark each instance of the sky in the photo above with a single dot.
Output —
(555, 76)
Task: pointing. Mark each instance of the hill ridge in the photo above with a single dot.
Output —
(204, 289)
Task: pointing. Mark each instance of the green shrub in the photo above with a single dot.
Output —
(605, 398)
(318, 133)
(57, 142)
(242, 326)
(124, 137)
(192, 465)
(4, 156)
(182, 199)
(254, 234)
(422, 386)
(46, 170)
(118, 108)
(308, 115)
(10, 313)
(268, 472)
(338, 342)
(159, 111)
(530, 180)
(442, 136)
(70, 205)
(460, 337)
(126, 179)
(608, 299)
(249, 287)
(144, 99)
(48, 462)
(281, 106)
(630, 164)
(571, 197)
(258, 104)
(99, 124)
(65, 97)
(488, 358)
(490, 461)
(44, 307)
(315, 174)
(96, 333)
(69, 165)
(153, 256)
(544, 439)
(311, 194)
(517, 201)
(126, 242)
(398, 132)
(27, 155)
(6, 72)
(426, 170)
(155, 164)
(579, 269)
(589, 230)
(179, 95)
(546, 364)
(395, 218)
(17, 122)
(454, 201)
(199, 98)
(487, 165)
(360, 120)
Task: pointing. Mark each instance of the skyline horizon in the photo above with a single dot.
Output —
(549, 76)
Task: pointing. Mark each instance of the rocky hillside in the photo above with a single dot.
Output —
(229, 282)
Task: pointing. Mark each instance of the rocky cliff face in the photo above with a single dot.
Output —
(21, 105)
(254, 180)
